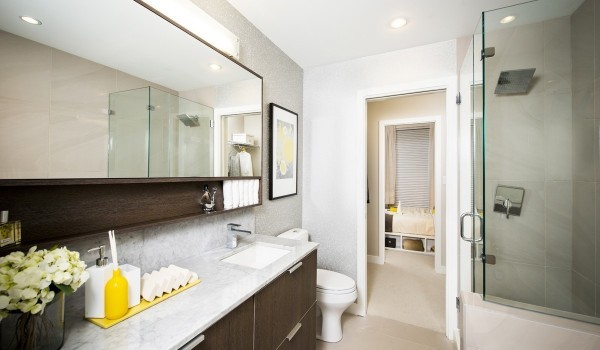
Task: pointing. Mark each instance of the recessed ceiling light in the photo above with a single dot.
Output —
(398, 23)
(214, 66)
(30, 20)
(507, 19)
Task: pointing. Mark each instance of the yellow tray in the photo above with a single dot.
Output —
(143, 305)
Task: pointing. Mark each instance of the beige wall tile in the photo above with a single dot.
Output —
(24, 141)
(25, 70)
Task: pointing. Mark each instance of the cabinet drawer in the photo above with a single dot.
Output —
(233, 331)
(281, 304)
(305, 335)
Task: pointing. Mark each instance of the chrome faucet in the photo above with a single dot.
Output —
(232, 235)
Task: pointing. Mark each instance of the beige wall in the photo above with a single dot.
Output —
(408, 106)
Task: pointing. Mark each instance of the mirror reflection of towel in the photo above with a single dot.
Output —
(234, 164)
(245, 164)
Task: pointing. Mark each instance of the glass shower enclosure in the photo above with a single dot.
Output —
(530, 86)
(154, 133)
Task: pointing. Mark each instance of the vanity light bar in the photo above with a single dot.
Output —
(188, 15)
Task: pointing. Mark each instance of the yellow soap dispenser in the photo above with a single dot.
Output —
(116, 289)
(116, 296)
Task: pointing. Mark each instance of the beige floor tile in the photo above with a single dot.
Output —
(407, 289)
(374, 332)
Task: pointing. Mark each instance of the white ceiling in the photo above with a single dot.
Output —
(318, 32)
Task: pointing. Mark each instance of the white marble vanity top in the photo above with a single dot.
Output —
(177, 320)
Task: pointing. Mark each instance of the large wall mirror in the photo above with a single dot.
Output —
(109, 89)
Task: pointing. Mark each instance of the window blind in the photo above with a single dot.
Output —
(412, 167)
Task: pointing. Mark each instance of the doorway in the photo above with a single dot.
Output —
(405, 240)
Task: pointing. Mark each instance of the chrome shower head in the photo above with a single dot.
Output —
(189, 120)
(514, 81)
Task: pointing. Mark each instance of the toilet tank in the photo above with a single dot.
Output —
(295, 233)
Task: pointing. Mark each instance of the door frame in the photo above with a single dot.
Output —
(437, 181)
(450, 179)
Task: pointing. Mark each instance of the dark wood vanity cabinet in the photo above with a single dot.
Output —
(284, 304)
(282, 315)
(234, 331)
(305, 336)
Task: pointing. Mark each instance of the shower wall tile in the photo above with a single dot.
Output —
(78, 143)
(597, 279)
(516, 281)
(24, 155)
(515, 154)
(557, 55)
(584, 295)
(559, 223)
(583, 104)
(582, 37)
(597, 299)
(559, 289)
(25, 70)
(558, 138)
(584, 232)
(583, 154)
(519, 238)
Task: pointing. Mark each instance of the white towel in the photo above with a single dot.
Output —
(227, 196)
(235, 193)
(255, 189)
(245, 164)
(245, 192)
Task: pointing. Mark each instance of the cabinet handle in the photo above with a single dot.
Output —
(295, 267)
(193, 343)
(293, 332)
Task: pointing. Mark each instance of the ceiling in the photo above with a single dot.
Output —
(319, 32)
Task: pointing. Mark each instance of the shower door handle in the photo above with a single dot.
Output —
(471, 240)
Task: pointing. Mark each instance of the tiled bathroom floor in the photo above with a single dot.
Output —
(405, 307)
(375, 332)
(407, 289)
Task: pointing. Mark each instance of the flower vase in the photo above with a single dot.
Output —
(41, 331)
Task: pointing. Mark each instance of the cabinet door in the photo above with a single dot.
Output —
(280, 305)
(303, 335)
(234, 331)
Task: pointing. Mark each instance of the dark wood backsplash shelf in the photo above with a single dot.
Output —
(59, 211)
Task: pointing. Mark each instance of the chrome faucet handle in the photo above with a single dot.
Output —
(231, 226)
(507, 204)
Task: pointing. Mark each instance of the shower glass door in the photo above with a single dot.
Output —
(471, 167)
(540, 138)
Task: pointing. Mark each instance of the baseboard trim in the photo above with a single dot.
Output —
(375, 259)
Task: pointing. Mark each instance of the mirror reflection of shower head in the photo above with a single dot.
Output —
(189, 120)
(514, 81)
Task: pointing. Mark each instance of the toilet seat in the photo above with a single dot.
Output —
(330, 282)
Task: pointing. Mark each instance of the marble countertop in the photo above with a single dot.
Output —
(177, 320)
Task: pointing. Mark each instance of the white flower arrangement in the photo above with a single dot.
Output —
(30, 281)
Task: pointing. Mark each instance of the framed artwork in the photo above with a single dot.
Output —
(283, 169)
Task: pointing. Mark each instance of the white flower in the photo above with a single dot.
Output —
(4, 300)
(28, 281)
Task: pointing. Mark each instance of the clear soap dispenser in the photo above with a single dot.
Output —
(94, 287)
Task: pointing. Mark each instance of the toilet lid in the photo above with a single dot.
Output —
(334, 282)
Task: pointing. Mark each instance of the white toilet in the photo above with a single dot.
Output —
(335, 292)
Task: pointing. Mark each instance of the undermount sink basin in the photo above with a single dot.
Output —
(257, 256)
